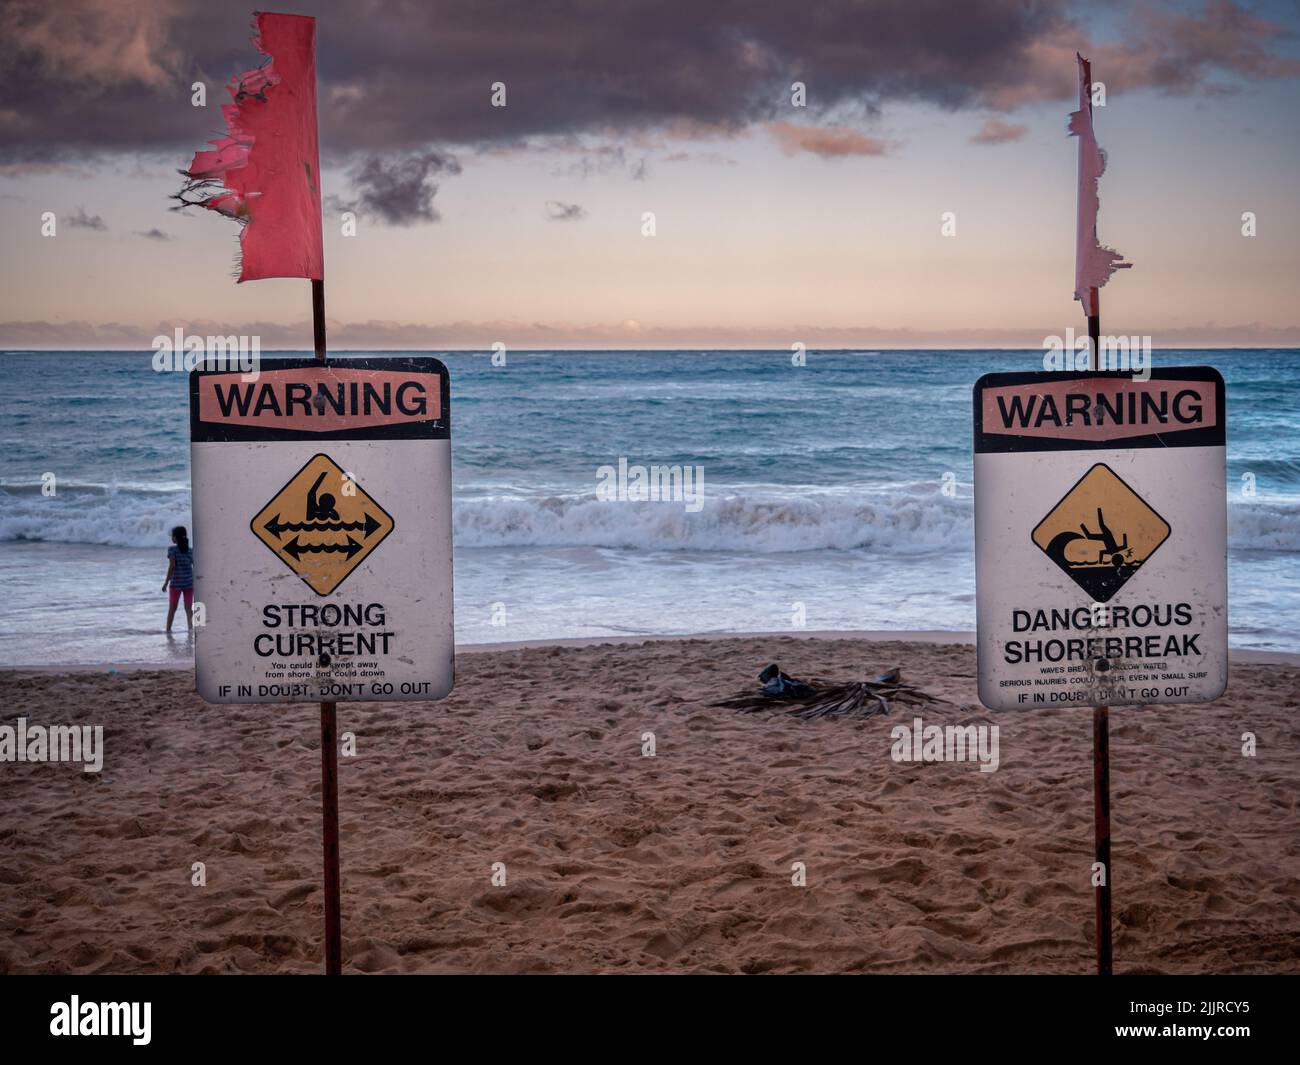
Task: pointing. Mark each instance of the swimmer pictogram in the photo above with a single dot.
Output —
(1101, 532)
(322, 525)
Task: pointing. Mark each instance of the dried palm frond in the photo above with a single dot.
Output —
(815, 699)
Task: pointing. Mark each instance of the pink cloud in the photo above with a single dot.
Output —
(830, 142)
(996, 131)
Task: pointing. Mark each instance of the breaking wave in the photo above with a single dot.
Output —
(902, 520)
(905, 522)
(108, 515)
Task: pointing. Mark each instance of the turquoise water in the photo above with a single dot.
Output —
(822, 487)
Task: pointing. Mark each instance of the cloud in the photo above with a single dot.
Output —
(398, 77)
(81, 220)
(399, 191)
(564, 212)
(1171, 51)
(100, 43)
(597, 159)
(153, 234)
(996, 131)
(830, 142)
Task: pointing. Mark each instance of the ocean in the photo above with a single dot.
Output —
(836, 495)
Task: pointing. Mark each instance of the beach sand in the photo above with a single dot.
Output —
(617, 862)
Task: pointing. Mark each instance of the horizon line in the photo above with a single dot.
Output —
(878, 349)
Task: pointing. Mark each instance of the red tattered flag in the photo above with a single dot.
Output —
(1094, 262)
(265, 172)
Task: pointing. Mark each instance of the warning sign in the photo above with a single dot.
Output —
(322, 525)
(1102, 559)
(1101, 538)
(322, 531)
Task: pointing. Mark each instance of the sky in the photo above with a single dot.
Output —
(774, 224)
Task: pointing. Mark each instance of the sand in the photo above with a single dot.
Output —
(616, 862)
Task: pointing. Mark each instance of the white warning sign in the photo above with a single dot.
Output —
(322, 531)
(1101, 538)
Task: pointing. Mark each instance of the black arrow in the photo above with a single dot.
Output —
(296, 550)
(275, 526)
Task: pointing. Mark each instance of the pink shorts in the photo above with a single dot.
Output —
(174, 595)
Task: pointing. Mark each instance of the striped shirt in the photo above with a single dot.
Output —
(183, 574)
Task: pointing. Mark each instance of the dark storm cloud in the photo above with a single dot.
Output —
(399, 76)
(398, 191)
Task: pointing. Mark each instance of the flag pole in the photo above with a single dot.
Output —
(329, 746)
(1087, 279)
(280, 133)
(1100, 749)
(1100, 714)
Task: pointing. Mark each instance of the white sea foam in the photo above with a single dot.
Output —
(108, 515)
(898, 520)
(904, 523)
(1264, 525)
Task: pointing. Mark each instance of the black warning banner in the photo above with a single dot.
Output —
(335, 399)
(1090, 410)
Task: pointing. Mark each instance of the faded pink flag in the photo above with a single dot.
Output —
(265, 172)
(1093, 261)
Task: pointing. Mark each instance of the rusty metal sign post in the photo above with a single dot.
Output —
(329, 747)
(1100, 755)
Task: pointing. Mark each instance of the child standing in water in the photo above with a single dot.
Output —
(180, 575)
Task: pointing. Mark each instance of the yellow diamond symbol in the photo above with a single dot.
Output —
(322, 525)
(1101, 532)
